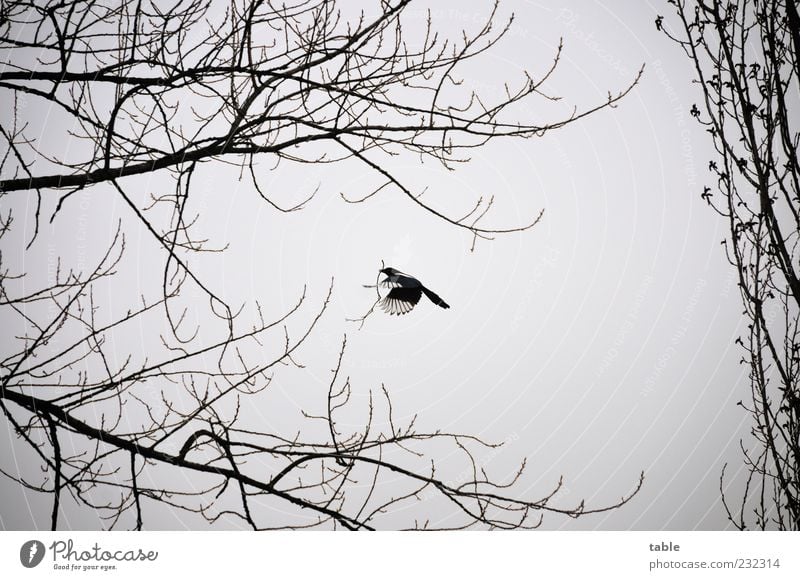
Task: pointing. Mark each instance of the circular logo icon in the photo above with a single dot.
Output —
(31, 553)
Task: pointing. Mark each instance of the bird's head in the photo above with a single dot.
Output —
(389, 271)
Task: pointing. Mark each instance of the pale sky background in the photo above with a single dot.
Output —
(598, 345)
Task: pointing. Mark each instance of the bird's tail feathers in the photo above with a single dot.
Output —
(435, 298)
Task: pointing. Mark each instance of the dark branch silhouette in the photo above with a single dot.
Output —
(746, 65)
(148, 88)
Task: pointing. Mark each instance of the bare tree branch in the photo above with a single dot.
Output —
(149, 88)
(745, 58)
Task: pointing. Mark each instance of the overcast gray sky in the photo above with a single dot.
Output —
(598, 345)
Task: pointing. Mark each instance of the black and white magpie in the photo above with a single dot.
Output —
(405, 292)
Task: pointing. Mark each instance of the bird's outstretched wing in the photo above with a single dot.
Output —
(401, 300)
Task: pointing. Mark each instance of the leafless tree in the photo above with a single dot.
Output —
(145, 87)
(745, 59)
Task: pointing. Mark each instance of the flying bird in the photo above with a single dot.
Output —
(405, 293)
